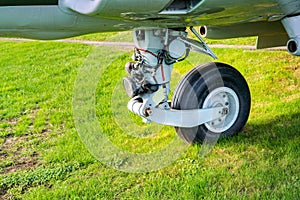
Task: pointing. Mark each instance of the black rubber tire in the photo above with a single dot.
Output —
(196, 85)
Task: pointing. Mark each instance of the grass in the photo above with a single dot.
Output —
(43, 157)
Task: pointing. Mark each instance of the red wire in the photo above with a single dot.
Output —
(161, 66)
(144, 50)
(162, 72)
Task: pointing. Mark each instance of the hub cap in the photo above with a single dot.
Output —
(222, 97)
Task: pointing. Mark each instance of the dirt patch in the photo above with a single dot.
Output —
(13, 121)
(21, 152)
(16, 153)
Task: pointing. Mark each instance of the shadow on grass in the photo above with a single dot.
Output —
(282, 131)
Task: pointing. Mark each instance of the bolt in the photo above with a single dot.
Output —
(148, 112)
(225, 111)
(128, 67)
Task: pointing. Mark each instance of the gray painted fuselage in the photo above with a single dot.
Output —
(70, 17)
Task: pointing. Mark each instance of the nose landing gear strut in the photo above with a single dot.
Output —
(213, 98)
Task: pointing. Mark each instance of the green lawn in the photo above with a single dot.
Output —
(43, 157)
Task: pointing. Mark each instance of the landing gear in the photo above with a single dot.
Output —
(212, 85)
(211, 99)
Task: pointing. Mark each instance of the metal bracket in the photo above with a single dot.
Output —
(185, 118)
(177, 118)
(199, 46)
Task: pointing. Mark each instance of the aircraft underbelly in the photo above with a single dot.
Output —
(184, 12)
(76, 17)
(115, 8)
(50, 22)
(220, 12)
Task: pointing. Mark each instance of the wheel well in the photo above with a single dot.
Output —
(182, 4)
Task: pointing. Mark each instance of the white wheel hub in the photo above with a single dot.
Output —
(225, 97)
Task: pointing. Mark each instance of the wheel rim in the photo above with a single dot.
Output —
(222, 97)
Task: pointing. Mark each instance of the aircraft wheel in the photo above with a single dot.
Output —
(211, 85)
